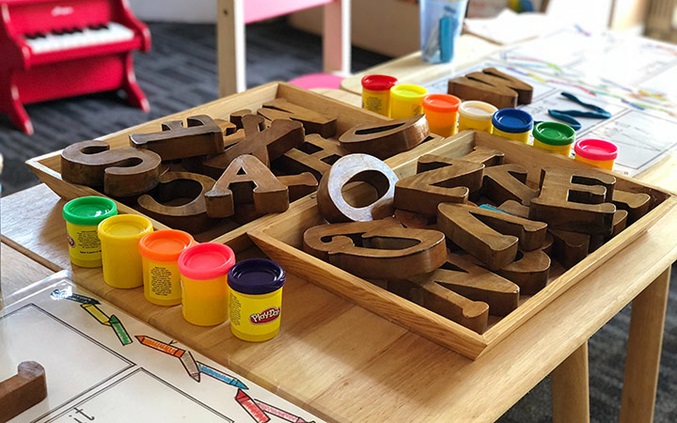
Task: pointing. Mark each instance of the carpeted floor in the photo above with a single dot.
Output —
(180, 72)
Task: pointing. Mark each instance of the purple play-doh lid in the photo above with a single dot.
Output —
(256, 276)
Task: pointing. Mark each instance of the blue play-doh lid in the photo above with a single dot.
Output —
(513, 121)
(256, 276)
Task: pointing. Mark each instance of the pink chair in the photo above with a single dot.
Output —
(233, 15)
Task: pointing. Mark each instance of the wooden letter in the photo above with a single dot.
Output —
(247, 180)
(381, 249)
(636, 203)
(332, 203)
(266, 145)
(569, 248)
(180, 201)
(202, 136)
(122, 172)
(576, 200)
(529, 271)
(313, 122)
(23, 390)
(507, 182)
(486, 156)
(492, 237)
(422, 192)
(316, 155)
(299, 185)
(386, 139)
(491, 86)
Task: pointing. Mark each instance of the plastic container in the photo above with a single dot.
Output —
(120, 254)
(406, 100)
(599, 153)
(554, 136)
(256, 299)
(475, 115)
(513, 124)
(376, 93)
(441, 22)
(82, 216)
(203, 269)
(160, 253)
(441, 112)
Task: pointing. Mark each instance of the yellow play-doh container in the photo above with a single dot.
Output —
(554, 136)
(475, 115)
(513, 124)
(599, 153)
(204, 269)
(82, 216)
(376, 93)
(406, 100)
(120, 255)
(160, 251)
(256, 299)
(441, 112)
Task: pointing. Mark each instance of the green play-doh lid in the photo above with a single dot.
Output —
(554, 133)
(89, 211)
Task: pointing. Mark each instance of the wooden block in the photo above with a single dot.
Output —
(246, 180)
(464, 277)
(200, 136)
(122, 172)
(423, 192)
(529, 271)
(179, 201)
(316, 155)
(313, 122)
(237, 116)
(299, 185)
(427, 292)
(380, 249)
(492, 237)
(468, 175)
(385, 139)
(524, 91)
(23, 390)
(575, 200)
(410, 219)
(331, 200)
(569, 248)
(507, 182)
(636, 203)
(266, 145)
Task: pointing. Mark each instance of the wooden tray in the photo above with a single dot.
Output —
(281, 240)
(48, 166)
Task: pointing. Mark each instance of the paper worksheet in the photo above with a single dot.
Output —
(103, 365)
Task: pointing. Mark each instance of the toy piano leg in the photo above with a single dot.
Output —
(10, 103)
(135, 95)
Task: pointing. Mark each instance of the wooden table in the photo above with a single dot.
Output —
(345, 363)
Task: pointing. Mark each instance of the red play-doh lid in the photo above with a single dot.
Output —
(378, 82)
(206, 261)
(594, 149)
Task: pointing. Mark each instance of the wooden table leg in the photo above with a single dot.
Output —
(570, 392)
(644, 351)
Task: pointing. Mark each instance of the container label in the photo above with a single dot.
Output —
(267, 315)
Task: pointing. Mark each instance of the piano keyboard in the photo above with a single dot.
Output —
(111, 32)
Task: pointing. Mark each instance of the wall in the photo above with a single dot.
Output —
(194, 11)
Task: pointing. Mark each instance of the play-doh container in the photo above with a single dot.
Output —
(376, 93)
(204, 269)
(513, 124)
(256, 299)
(160, 251)
(82, 216)
(554, 136)
(599, 153)
(475, 115)
(441, 112)
(406, 100)
(120, 254)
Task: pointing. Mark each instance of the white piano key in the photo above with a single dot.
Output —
(114, 33)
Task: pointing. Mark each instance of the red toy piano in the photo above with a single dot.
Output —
(52, 49)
